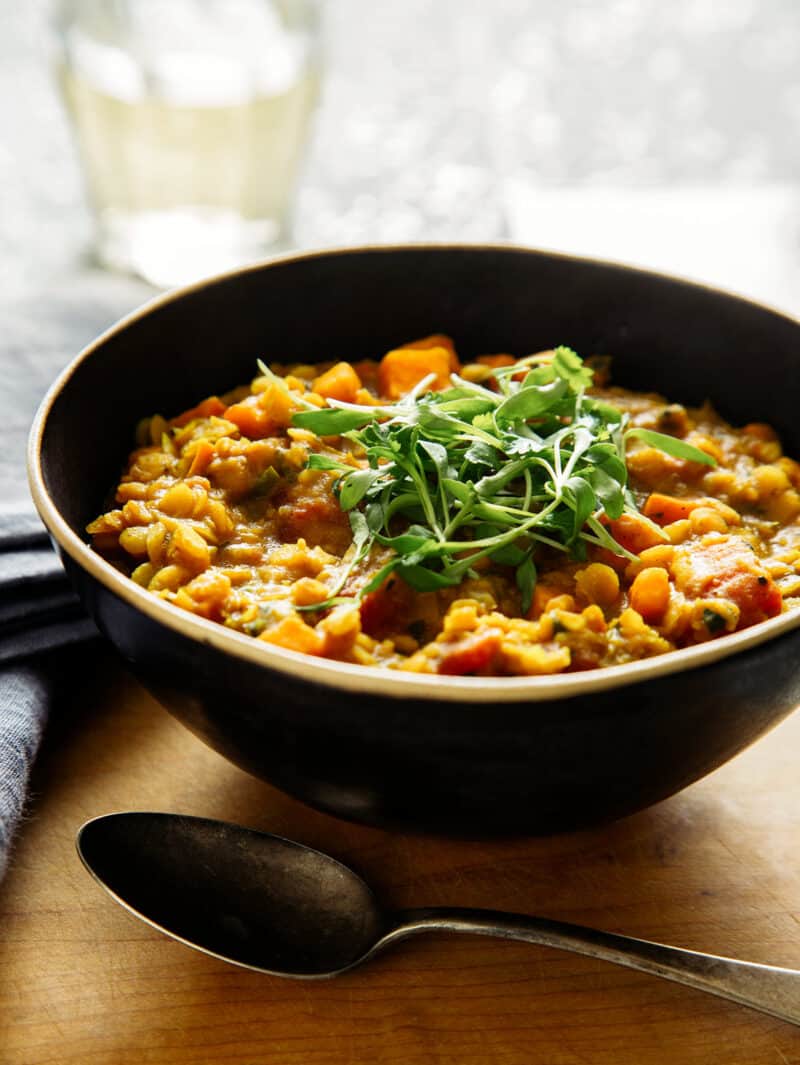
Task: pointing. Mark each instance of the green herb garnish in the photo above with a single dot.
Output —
(265, 483)
(469, 473)
(713, 621)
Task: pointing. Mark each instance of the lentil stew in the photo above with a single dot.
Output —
(503, 517)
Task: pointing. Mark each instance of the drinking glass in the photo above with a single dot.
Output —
(191, 118)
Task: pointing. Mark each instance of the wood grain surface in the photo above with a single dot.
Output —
(82, 982)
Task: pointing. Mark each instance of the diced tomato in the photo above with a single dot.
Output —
(728, 569)
(319, 520)
(384, 611)
(757, 596)
(470, 655)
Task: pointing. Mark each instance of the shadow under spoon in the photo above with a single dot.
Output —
(278, 907)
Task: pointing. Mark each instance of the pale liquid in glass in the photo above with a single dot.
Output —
(194, 171)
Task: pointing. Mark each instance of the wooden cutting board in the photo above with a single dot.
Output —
(716, 868)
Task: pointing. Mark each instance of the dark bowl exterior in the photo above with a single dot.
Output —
(531, 765)
(446, 767)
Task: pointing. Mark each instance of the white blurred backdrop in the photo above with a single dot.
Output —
(658, 133)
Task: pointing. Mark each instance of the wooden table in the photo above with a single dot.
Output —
(716, 868)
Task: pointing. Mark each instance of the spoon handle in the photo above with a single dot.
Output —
(763, 987)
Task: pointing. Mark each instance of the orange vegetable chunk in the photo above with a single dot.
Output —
(649, 593)
(340, 382)
(665, 509)
(251, 418)
(470, 655)
(403, 368)
(262, 415)
(635, 534)
(202, 457)
(278, 405)
(542, 595)
(293, 634)
(727, 568)
(206, 409)
(436, 340)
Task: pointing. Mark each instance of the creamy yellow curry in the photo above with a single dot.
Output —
(499, 517)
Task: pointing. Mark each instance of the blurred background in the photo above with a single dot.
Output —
(660, 134)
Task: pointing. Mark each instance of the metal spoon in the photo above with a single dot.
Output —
(278, 907)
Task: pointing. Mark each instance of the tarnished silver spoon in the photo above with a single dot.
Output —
(278, 907)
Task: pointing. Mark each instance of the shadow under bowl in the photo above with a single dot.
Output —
(467, 756)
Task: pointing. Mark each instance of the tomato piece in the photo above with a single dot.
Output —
(728, 569)
(470, 655)
(385, 610)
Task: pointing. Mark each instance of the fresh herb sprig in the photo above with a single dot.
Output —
(469, 473)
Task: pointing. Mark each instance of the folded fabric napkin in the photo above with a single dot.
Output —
(39, 615)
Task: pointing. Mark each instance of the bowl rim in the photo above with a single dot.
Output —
(345, 676)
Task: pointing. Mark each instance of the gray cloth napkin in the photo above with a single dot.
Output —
(39, 616)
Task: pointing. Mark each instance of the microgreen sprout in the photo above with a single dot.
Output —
(469, 473)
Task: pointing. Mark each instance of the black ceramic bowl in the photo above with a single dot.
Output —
(453, 754)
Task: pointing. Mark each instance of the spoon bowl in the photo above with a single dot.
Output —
(247, 897)
(279, 907)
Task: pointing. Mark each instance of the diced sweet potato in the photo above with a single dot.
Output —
(340, 382)
(251, 418)
(263, 414)
(202, 457)
(436, 340)
(665, 509)
(206, 409)
(293, 634)
(635, 534)
(403, 368)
